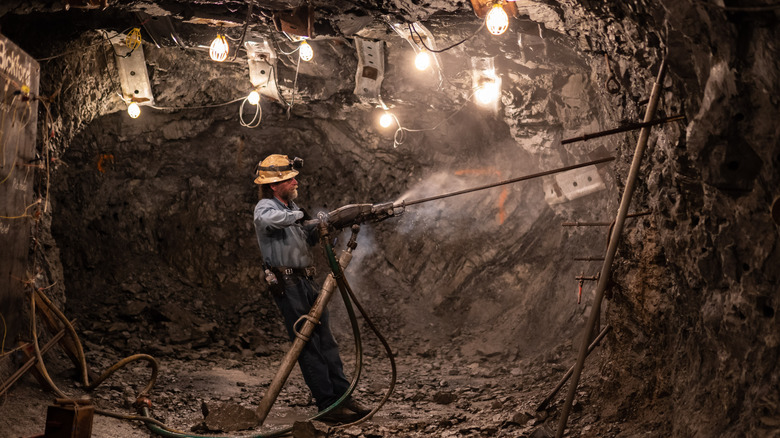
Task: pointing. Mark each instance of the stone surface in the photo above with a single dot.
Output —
(227, 417)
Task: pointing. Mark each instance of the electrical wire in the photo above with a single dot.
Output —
(174, 108)
(126, 55)
(243, 33)
(18, 140)
(110, 76)
(413, 31)
(2, 125)
(46, 151)
(255, 122)
(294, 89)
(23, 214)
(276, 81)
(400, 134)
(80, 49)
(279, 49)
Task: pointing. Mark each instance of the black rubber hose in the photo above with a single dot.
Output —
(345, 288)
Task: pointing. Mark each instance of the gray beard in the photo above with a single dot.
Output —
(291, 196)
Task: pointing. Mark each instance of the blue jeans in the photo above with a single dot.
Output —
(319, 361)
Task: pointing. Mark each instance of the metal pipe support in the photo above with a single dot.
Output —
(616, 231)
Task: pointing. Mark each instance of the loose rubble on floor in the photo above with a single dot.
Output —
(214, 391)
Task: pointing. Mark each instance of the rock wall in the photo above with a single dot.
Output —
(694, 350)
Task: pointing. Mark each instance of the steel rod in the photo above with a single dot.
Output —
(501, 183)
(617, 230)
(586, 224)
(588, 259)
(629, 127)
(600, 224)
(568, 374)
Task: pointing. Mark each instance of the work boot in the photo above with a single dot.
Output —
(355, 406)
(340, 414)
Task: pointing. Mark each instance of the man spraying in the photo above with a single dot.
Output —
(285, 244)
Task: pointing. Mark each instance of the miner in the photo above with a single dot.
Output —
(285, 243)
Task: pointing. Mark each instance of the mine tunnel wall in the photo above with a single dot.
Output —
(165, 217)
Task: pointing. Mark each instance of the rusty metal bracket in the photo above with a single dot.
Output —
(299, 21)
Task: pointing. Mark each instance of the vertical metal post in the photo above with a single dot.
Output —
(613, 243)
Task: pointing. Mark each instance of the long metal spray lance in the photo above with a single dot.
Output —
(361, 213)
(504, 182)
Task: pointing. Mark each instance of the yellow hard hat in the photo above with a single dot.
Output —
(277, 168)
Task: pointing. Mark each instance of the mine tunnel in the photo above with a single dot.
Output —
(527, 218)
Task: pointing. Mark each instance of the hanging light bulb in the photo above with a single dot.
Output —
(496, 20)
(423, 60)
(219, 48)
(253, 98)
(133, 110)
(487, 93)
(306, 53)
(386, 120)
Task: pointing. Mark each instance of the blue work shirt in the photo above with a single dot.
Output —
(282, 241)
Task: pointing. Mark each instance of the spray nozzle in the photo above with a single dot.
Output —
(353, 214)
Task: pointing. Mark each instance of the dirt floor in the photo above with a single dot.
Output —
(437, 393)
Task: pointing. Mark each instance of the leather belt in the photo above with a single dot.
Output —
(308, 271)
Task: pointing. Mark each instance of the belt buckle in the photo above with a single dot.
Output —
(287, 271)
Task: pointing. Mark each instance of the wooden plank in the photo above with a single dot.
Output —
(18, 122)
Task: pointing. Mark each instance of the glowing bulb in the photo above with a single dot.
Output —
(497, 21)
(306, 52)
(386, 120)
(253, 98)
(219, 48)
(422, 61)
(487, 93)
(133, 110)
